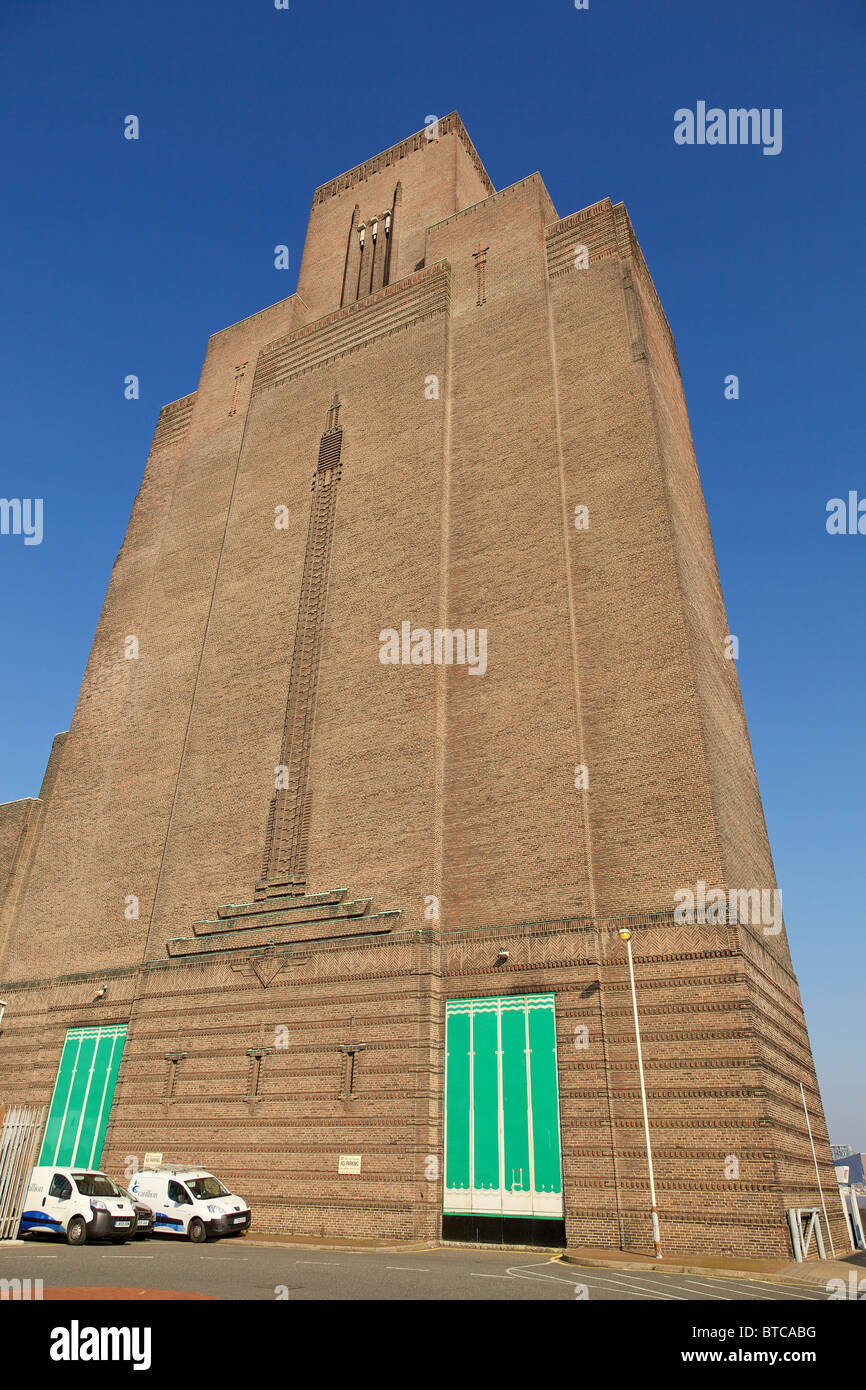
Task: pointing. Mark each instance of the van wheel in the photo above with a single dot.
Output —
(196, 1232)
(76, 1231)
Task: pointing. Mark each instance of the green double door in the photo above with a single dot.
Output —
(502, 1146)
(83, 1092)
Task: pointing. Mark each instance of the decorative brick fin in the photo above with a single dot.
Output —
(479, 256)
(358, 291)
(347, 1072)
(288, 821)
(240, 373)
(352, 267)
(174, 1059)
(269, 835)
(380, 231)
(391, 241)
(255, 1055)
(632, 306)
(303, 837)
(367, 267)
(633, 314)
(642, 278)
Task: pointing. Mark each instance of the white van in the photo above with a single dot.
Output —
(78, 1203)
(189, 1202)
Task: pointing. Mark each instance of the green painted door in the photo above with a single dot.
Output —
(502, 1151)
(82, 1097)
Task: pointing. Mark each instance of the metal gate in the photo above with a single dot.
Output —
(20, 1130)
(83, 1092)
(502, 1146)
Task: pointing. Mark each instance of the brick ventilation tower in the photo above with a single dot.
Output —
(409, 690)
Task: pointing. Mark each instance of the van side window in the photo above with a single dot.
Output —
(60, 1187)
(177, 1193)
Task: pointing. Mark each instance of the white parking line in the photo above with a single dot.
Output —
(335, 1264)
(748, 1289)
(739, 1291)
(780, 1296)
(473, 1275)
(728, 1283)
(413, 1269)
(638, 1290)
(591, 1279)
(668, 1284)
(513, 1270)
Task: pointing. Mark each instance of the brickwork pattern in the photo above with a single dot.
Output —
(489, 389)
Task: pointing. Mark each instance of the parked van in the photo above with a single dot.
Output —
(190, 1202)
(143, 1213)
(78, 1203)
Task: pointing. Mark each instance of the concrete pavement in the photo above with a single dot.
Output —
(244, 1269)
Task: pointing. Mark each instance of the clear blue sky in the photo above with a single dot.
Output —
(121, 257)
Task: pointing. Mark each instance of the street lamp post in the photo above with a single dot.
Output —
(626, 936)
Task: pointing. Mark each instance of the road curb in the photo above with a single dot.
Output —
(662, 1267)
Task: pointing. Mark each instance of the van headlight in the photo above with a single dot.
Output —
(215, 1208)
(96, 1205)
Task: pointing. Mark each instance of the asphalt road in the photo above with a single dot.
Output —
(237, 1269)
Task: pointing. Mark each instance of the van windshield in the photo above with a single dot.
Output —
(95, 1185)
(207, 1187)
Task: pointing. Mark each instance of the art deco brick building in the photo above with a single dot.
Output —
(344, 929)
